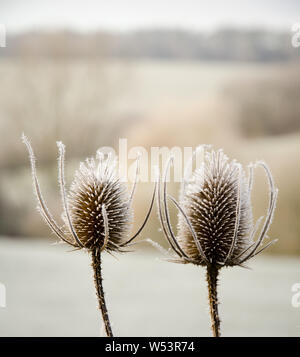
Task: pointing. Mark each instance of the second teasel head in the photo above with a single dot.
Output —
(215, 223)
(217, 202)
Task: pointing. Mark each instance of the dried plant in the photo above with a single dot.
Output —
(97, 212)
(215, 225)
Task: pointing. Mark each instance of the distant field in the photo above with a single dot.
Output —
(156, 84)
(50, 293)
(129, 87)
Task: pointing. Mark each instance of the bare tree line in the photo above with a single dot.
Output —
(224, 44)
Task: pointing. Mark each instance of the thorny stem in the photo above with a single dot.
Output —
(96, 264)
(212, 281)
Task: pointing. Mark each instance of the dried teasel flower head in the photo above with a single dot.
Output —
(99, 205)
(97, 212)
(215, 225)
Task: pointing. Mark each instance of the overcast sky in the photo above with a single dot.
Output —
(85, 15)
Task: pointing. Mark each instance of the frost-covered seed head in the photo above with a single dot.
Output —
(215, 224)
(216, 200)
(95, 186)
(97, 211)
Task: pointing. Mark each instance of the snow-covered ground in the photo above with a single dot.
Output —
(50, 292)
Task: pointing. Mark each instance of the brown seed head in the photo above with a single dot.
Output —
(97, 212)
(96, 188)
(216, 200)
(215, 224)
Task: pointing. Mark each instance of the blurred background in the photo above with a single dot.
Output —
(158, 73)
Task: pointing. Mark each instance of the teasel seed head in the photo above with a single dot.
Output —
(99, 205)
(215, 224)
(217, 203)
(97, 211)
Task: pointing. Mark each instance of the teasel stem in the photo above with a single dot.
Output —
(96, 264)
(212, 281)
